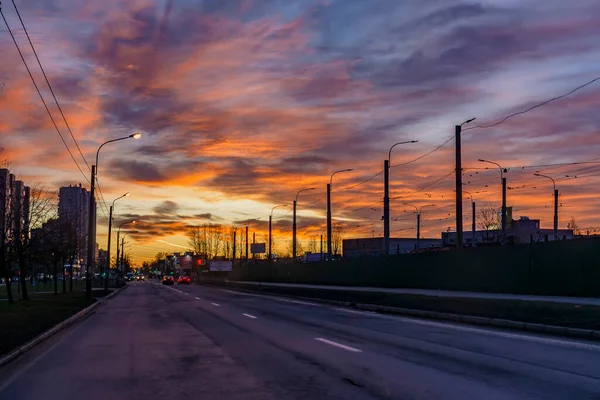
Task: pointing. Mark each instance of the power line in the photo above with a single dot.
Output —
(424, 155)
(360, 183)
(41, 97)
(435, 182)
(48, 83)
(533, 107)
(317, 200)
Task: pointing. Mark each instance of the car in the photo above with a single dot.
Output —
(139, 277)
(168, 280)
(184, 280)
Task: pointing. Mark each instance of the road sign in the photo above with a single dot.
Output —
(258, 248)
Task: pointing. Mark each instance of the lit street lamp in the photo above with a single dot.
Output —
(107, 269)
(329, 185)
(294, 224)
(92, 218)
(270, 220)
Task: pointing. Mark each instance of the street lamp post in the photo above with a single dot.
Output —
(294, 254)
(503, 181)
(118, 238)
(555, 203)
(92, 218)
(418, 212)
(270, 221)
(107, 270)
(329, 185)
(458, 181)
(386, 197)
(473, 226)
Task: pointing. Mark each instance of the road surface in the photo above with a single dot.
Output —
(160, 342)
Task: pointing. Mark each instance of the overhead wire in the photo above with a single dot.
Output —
(48, 83)
(41, 97)
(533, 107)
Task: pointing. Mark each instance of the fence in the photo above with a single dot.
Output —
(561, 268)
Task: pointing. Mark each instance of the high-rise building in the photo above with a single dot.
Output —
(73, 207)
(14, 208)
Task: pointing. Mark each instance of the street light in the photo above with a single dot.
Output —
(386, 196)
(92, 217)
(473, 226)
(270, 220)
(107, 270)
(294, 223)
(329, 185)
(555, 203)
(458, 182)
(418, 212)
(503, 180)
(118, 236)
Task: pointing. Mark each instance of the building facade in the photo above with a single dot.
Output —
(521, 230)
(73, 208)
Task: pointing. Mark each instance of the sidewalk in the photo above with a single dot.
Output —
(438, 293)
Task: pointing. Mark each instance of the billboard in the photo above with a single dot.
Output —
(218, 265)
(257, 248)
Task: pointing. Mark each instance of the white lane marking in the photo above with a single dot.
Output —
(249, 316)
(197, 298)
(531, 338)
(508, 335)
(336, 344)
(215, 304)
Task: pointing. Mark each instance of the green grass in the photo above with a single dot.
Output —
(559, 314)
(22, 321)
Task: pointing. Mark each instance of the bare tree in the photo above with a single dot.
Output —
(206, 239)
(313, 245)
(337, 235)
(488, 218)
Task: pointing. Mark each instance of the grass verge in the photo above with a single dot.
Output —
(548, 313)
(22, 321)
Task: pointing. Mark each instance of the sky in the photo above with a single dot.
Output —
(241, 103)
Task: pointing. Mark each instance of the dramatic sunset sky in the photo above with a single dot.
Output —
(243, 102)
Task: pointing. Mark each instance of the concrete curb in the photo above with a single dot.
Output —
(55, 329)
(467, 319)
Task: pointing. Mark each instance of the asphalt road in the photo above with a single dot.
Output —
(156, 342)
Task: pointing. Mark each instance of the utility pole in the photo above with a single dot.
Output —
(294, 230)
(246, 245)
(270, 221)
(555, 214)
(108, 249)
(233, 254)
(386, 207)
(91, 237)
(418, 230)
(458, 189)
(503, 181)
(117, 259)
(555, 203)
(123, 256)
(458, 173)
(294, 250)
(473, 225)
(328, 221)
(321, 247)
(386, 197)
(329, 185)
(504, 207)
